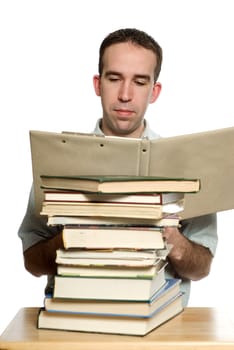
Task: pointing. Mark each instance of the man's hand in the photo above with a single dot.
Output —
(40, 259)
(189, 260)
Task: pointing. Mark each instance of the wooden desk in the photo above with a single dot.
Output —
(194, 328)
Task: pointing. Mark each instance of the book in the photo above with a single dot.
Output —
(109, 257)
(107, 254)
(166, 220)
(121, 184)
(111, 270)
(200, 155)
(108, 288)
(109, 307)
(130, 210)
(74, 196)
(94, 237)
(110, 324)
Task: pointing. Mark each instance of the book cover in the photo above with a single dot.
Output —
(116, 307)
(112, 257)
(198, 155)
(75, 196)
(114, 237)
(123, 271)
(120, 183)
(107, 287)
(166, 220)
(110, 324)
(129, 210)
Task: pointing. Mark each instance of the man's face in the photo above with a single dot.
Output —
(126, 87)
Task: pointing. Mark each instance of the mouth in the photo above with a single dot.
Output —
(124, 112)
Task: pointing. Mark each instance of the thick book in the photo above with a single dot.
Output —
(130, 258)
(127, 210)
(166, 220)
(108, 288)
(94, 237)
(120, 183)
(110, 324)
(115, 307)
(207, 156)
(111, 271)
(75, 196)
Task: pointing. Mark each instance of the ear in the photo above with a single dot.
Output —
(156, 92)
(97, 84)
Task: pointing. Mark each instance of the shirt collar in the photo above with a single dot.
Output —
(147, 133)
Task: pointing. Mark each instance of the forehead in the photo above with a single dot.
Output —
(128, 57)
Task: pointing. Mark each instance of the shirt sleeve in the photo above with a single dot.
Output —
(202, 230)
(34, 228)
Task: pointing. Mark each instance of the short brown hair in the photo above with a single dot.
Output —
(136, 37)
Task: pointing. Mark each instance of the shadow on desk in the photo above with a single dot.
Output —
(194, 328)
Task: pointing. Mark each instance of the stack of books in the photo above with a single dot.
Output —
(111, 274)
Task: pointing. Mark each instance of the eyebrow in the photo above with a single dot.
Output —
(136, 76)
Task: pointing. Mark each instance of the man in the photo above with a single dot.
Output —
(129, 66)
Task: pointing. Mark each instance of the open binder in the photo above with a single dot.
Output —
(208, 156)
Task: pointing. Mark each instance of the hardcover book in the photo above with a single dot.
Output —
(108, 288)
(166, 220)
(99, 257)
(123, 271)
(97, 237)
(120, 184)
(75, 196)
(110, 324)
(127, 210)
(116, 307)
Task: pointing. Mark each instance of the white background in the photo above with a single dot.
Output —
(48, 55)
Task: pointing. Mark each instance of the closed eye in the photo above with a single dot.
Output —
(114, 79)
(140, 82)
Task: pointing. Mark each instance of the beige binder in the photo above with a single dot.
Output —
(208, 156)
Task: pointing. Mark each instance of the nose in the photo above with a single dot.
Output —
(125, 92)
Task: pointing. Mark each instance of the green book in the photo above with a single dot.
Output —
(120, 184)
